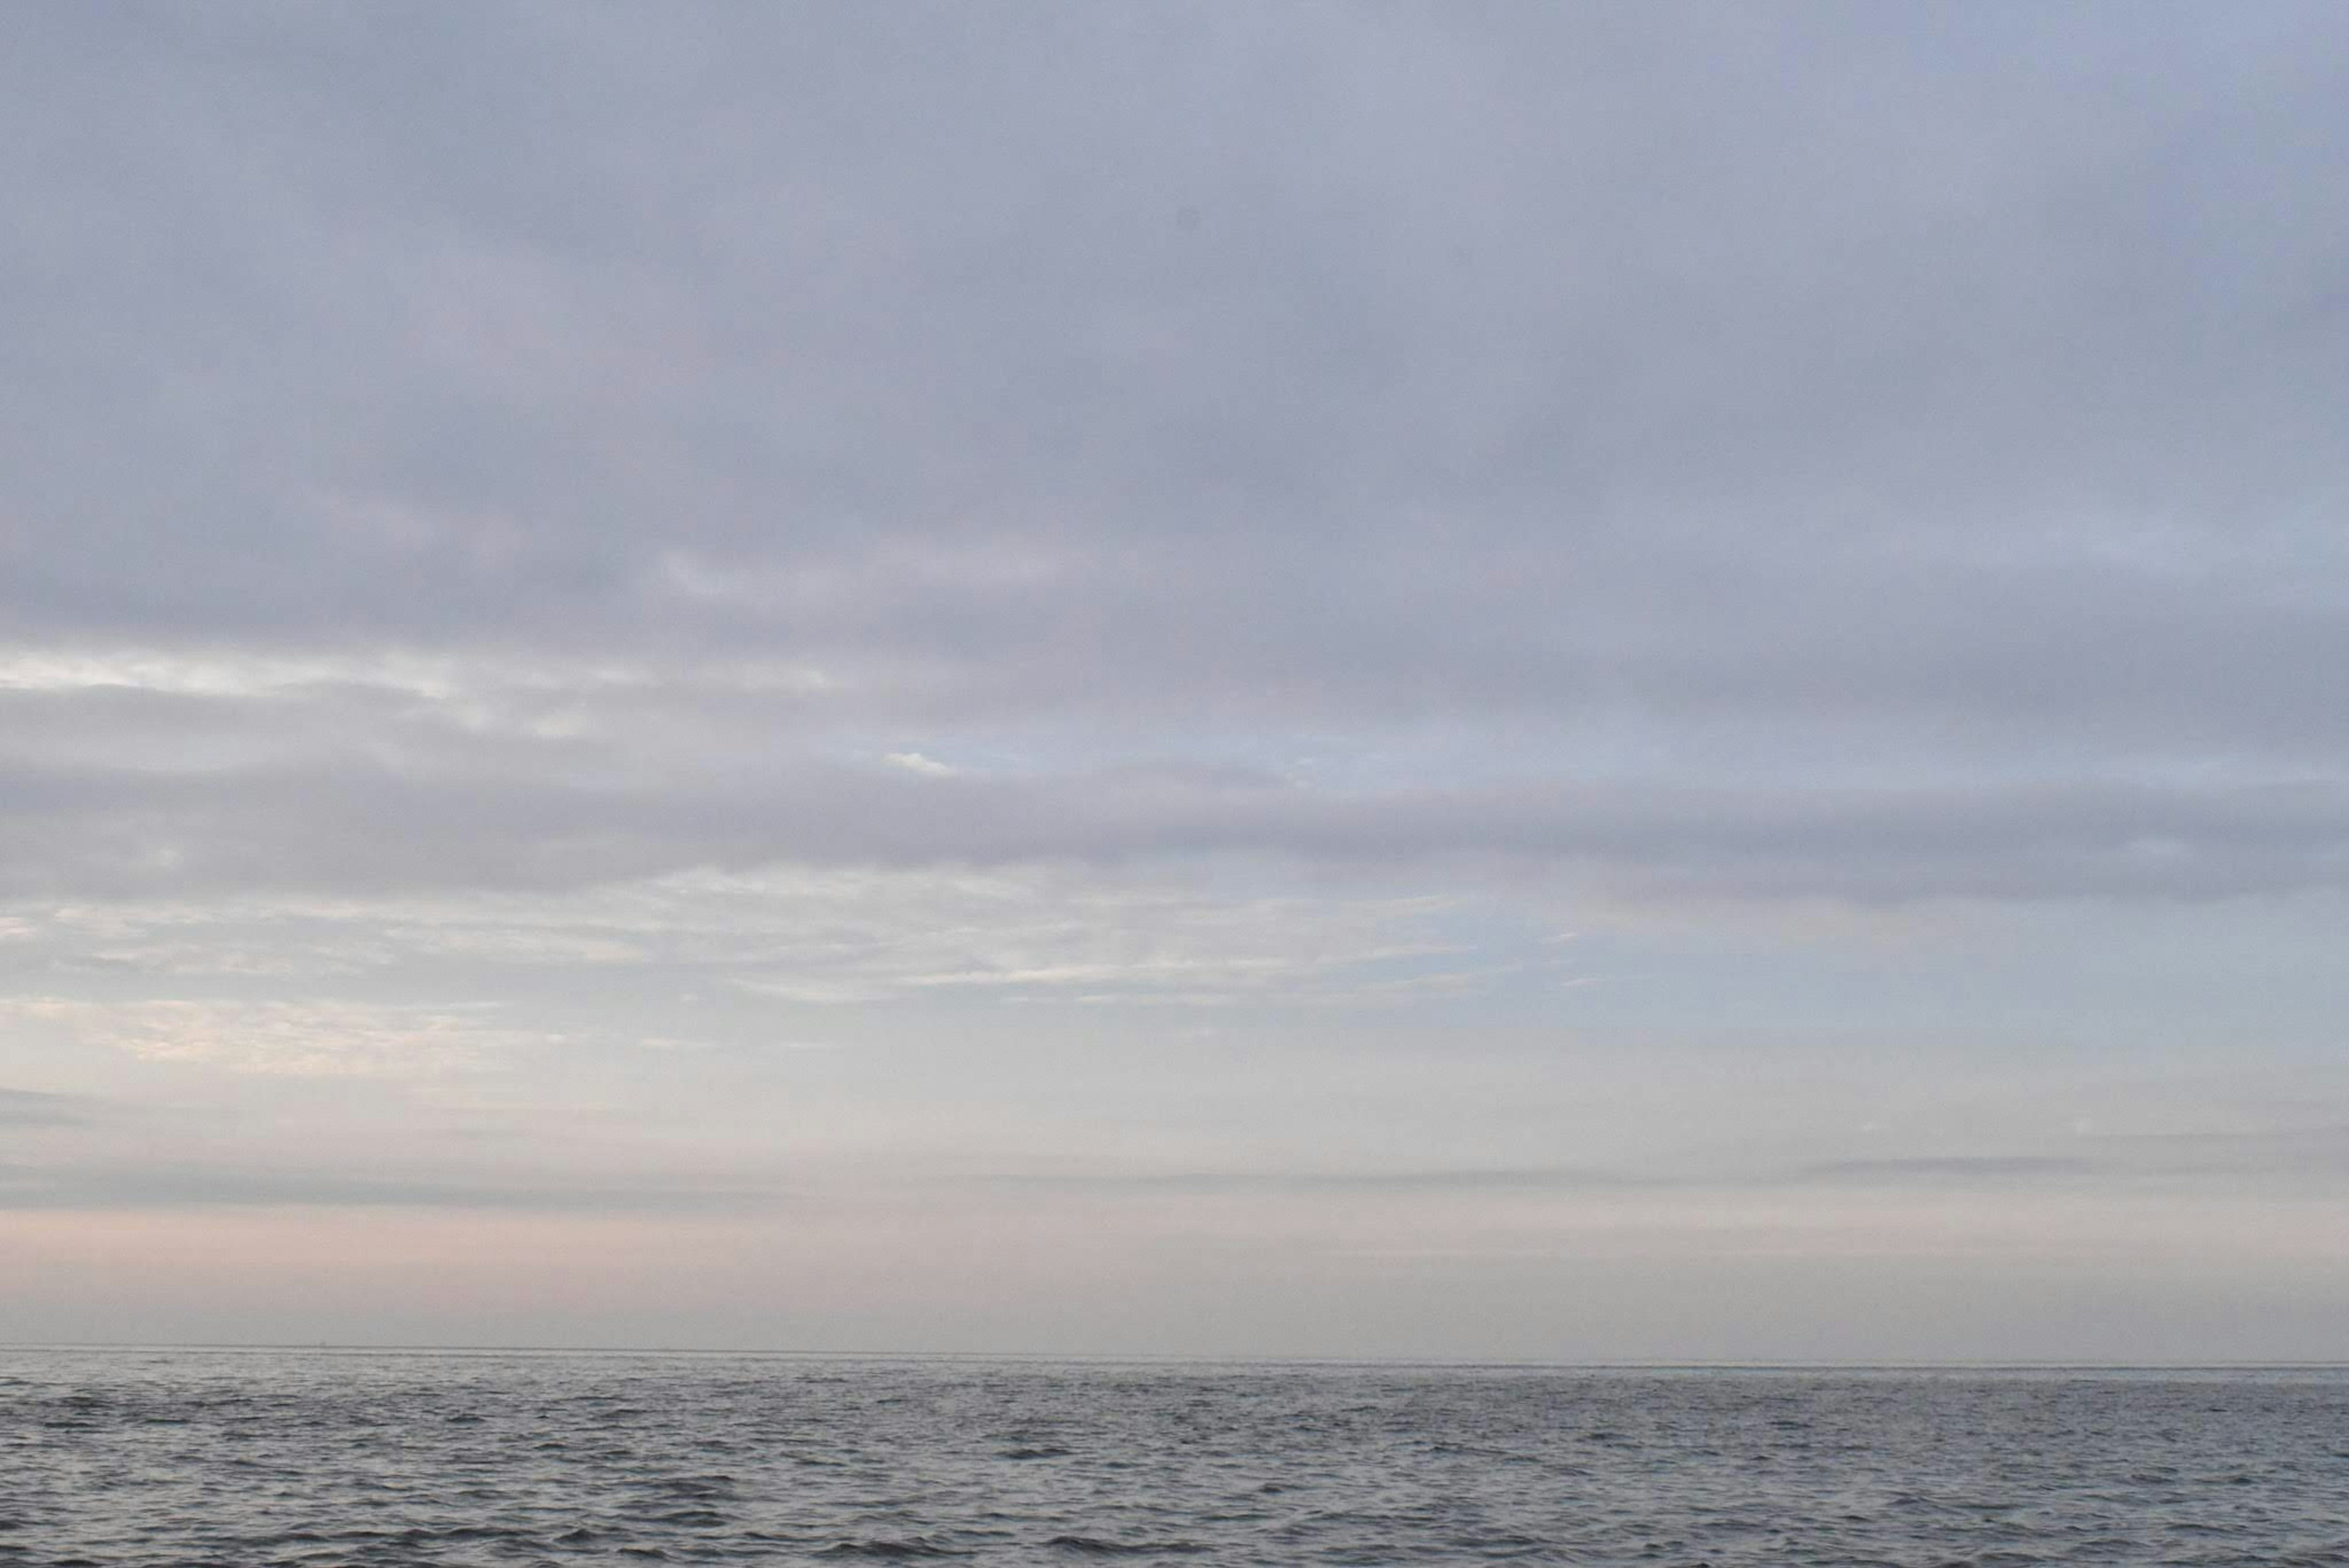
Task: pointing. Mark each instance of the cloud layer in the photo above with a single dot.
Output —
(923, 593)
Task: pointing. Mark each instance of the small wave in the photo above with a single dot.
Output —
(426, 1535)
(1094, 1546)
(914, 1547)
(1043, 1451)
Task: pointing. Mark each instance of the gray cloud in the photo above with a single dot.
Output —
(1826, 364)
(365, 828)
(1816, 393)
(2302, 1153)
(530, 529)
(33, 1108)
(2106, 1161)
(2029, 1168)
(143, 1186)
(1340, 1183)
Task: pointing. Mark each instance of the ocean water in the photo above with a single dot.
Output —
(248, 1458)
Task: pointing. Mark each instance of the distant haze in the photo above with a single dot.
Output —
(1450, 679)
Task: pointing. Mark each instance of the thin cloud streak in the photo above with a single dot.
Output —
(153, 1188)
(375, 832)
(35, 1108)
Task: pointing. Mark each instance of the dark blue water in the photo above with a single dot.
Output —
(251, 1458)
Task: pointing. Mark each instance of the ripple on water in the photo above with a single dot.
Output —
(145, 1461)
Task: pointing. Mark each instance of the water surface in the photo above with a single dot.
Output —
(364, 1457)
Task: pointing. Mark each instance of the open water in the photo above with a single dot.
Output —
(363, 1458)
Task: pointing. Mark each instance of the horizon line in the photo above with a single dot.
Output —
(2002, 1364)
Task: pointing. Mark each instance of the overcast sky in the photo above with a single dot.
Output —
(1460, 680)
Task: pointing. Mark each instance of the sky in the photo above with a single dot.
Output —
(1561, 683)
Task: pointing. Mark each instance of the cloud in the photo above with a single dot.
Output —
(146, 1187)
(840, 936)
(1339, 1183)
(333, 1039)
(1832, 334)
(915, 762)
(2110, 1162)
(33, 1108)
(2285, 1153)
(1035, 530)
(1933, 1169)
(366, 829)
(1859, 452)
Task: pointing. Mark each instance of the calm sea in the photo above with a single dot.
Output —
(247, 1458)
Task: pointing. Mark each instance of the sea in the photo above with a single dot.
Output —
(321, 1456)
